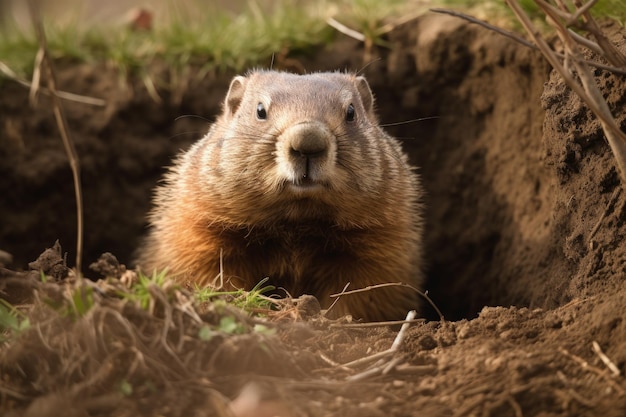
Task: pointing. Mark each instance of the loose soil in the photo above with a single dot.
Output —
(524, 241)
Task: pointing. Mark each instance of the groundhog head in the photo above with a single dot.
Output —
(300, 147)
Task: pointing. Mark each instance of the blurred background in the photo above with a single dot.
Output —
(97, 12)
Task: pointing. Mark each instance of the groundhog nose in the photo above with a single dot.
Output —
(309, 142)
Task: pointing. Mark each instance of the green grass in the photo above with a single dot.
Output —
(212, 40)
(153, 294)
(12, 321)
(140, 292)
(218, 40)
(253, 300)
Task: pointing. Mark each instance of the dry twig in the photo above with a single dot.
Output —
(4, 68)
(373, 324)
(59, 114)
(609, 207)
(587, 90)
(601, 373)
(338, 298)
(608, 362)
(393, 284)
(382, 367)
(515, 37)
(611, 53)
(345, 29)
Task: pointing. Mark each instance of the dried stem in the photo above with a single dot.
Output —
(611, 53)
(393, 284)
(345, 29)
(4, 68)
(528, 44)
(583, 9)
(608, 362)
(588, 92)
(59, 114)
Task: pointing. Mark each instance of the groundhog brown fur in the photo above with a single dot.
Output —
(295, 181)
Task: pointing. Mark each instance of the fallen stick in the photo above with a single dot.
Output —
(608, 362)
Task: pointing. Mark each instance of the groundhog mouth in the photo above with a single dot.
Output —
(306, 187)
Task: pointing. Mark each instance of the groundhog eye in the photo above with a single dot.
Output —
(261, 113)
(350, 113)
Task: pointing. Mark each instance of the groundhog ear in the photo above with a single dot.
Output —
(235, 94)
(366, 94)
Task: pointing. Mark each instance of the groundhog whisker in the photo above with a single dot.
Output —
(192, 116)
(364, 67)
(406, 122)
(189, 132)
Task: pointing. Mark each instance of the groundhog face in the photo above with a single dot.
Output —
(300, 146)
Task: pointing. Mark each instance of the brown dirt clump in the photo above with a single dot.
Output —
(525, 231)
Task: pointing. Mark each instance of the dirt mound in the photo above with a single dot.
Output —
(525, 214)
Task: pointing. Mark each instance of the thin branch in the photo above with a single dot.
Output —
(62, 94)
(381, 367)
(581, 10)
(604, 46)
(373, 324)
(588, 92)
(48, 67)
(393, 284)
(484, 24)
(402, 333)
(601, 373)
(345, 29)
(34, 86)
(609, 206)
(562, 12)
(368, 359)
(523, 41)
(337, 299)
(365, 374)
(394, 346)
(608, 362)
(611, 53)
(586, 42)
(386, 28)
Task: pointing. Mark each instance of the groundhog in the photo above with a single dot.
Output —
(297, 182)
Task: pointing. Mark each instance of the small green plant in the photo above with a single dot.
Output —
(252, 300)
(81, 302)
(229, 325)
(140, 291)
(75, 304)
(126, 388)
(206, 333)
(263, 329)
(12, 321)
